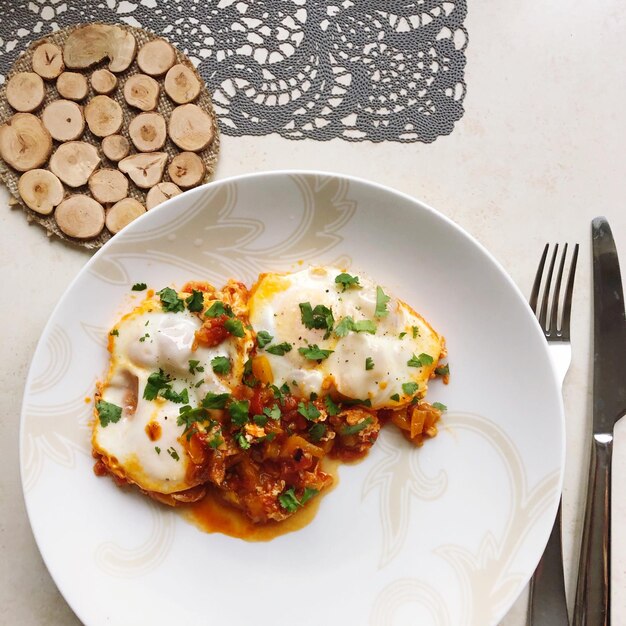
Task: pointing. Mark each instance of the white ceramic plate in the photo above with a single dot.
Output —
(447, 534)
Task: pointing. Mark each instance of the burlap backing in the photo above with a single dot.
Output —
(165, 106)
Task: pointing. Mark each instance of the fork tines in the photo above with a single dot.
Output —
(552, 329)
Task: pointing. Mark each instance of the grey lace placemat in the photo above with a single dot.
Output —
(359, 70)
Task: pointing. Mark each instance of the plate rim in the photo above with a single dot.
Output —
(412, 200)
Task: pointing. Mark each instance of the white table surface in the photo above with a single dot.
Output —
(539, 152)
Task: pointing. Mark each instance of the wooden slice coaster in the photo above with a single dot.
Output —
(90, 109)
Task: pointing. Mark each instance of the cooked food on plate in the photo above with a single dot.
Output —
(243, 394)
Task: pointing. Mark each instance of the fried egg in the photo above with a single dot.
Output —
(378, 350)
(143, 445)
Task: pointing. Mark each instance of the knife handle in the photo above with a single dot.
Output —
(593, 591)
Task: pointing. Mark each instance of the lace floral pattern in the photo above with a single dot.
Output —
(357, 69)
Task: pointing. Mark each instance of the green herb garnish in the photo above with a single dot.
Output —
(347, 281)
(263, 338)
(420, 361)
(108, 413)
(238, 410)
(410, 388)
(331, 407)
(381, 303)
(369, 363)
(217, 309)
(273, 413)
(352, 430)
(195, 302)
(317, 431)
(347, 324)
(320, 317)
(220, 365)
(178, 398)
(139, 287)
(315, 353)
(279, 349)
(308, 411)
(194, 366)
(442, 370)
(170, 300)
(156, 381)
(215, 400)
(440, 407)
(234, 327)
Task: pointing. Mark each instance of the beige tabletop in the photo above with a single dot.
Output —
(539, 152)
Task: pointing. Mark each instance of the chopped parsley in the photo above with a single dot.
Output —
(420, 361)
(442, 370)
(172, 452)
(381, 303)
(194, 366)
(410, 388)
(216, 441)
(347, 324)
(290, 502)
(234, 327)
(238, 410)
(356, 428)
(331, 407)
(369, 363)
(240, 438)
(320, 317)
(263, 338)
(195, 302)
(170, 300)
(347, 281)
(178, 398)
(395, 397)
(146, 336)
(416, 331)
(215, 400)
(220, 365)
(279, 349)
(273, 413)
(440, 407)
(402, 335)
(188, 416)
(108, 413)
(156, 381)
(139, 287)
(260, 420)
(315, 353)
(115, 332)
(353, 401)
(308, 493)
(308, 411)
(317, 431)
(158, 450)
(248, 379)
(217, 309)
(280, 393)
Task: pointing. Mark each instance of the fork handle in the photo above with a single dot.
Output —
(547, 605)
(593, 591)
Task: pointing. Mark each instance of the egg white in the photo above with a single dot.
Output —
(150, 339)
(274, 307)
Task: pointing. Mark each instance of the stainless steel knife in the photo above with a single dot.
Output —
(593, 591)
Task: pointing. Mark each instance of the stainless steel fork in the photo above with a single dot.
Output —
(547, 604)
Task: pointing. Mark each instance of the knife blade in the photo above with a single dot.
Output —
(609, 342)
(593, 590)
